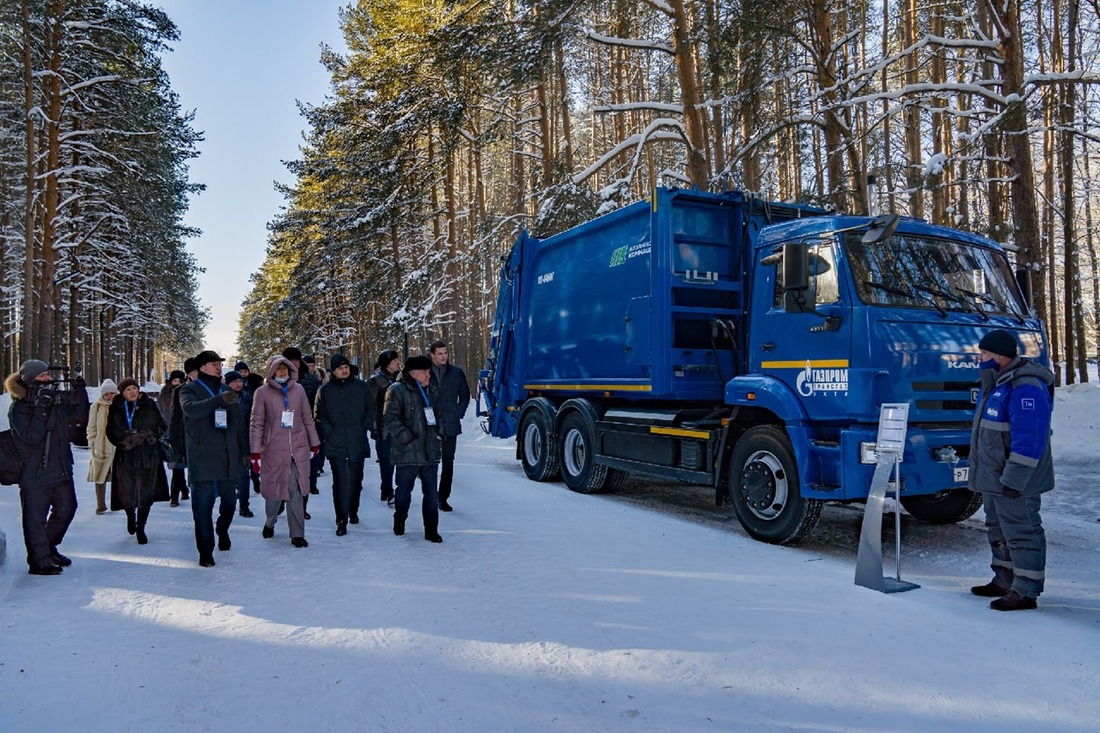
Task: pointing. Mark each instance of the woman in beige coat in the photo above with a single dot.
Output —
(103, 451)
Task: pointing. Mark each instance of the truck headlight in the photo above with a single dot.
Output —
(868, 453)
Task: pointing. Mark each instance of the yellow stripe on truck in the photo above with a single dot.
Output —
(814, 363)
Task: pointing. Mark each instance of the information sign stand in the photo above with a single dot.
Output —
(893, 421)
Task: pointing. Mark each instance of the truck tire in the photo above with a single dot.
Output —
(579, 469)
(943, 507)
(764, 488)
(538, 445)
(615, 480)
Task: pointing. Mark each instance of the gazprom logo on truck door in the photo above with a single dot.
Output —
(812, 381)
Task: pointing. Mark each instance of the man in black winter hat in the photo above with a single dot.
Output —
(411, 420)
(388, 371)
(214, 460)
(39, 417)
(1011, 465)
(345, 414)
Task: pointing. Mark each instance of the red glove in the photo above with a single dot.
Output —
(256, 463)
(314, 450)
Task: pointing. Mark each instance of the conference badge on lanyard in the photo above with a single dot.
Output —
(221, 419)
(288, 419)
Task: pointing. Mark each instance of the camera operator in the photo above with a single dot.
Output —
(39, 415)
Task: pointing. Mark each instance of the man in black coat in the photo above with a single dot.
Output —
(39, 416)
(174, 418)
(388, 370)
(454, 398)
(345, 413)
(252, 381)
(235, 381)
(411, 422)
(214, 460)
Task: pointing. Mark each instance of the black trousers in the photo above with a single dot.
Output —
(347, 486)
(450, 443)
(47, 513)
(429, 507)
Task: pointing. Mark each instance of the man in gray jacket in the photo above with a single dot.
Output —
(1011, 464)
(412, 424)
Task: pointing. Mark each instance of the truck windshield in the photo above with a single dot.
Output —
(940, 274)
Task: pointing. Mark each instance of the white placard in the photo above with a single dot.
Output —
(893, 421)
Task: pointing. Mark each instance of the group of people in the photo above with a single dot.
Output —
(231, 431)
(223, 436)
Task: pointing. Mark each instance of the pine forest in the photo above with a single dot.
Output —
(449, 127)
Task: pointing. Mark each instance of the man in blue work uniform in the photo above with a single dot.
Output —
(1011, 464)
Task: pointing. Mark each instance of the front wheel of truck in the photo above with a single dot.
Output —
(538, 443)
(764, 488)
(943, 507)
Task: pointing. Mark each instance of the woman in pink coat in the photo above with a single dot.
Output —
(282, 439)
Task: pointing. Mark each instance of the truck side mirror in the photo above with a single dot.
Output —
(881, 229)
(797, 295)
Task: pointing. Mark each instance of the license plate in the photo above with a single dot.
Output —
(961, 474)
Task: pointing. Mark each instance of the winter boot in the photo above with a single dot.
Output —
(131, 521)
(1013, 602)
(101, 498)
(142, 518)
(989, 590)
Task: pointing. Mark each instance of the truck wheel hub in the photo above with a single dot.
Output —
(764, 485)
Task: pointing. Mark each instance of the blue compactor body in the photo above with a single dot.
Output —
(747, 345)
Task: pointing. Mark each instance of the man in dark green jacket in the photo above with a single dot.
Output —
(345, 415)
(410, 420)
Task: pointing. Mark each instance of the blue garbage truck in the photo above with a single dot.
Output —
(747, 345)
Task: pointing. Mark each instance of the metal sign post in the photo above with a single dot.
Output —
(893, 422)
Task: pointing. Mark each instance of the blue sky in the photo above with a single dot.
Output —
(240, 65)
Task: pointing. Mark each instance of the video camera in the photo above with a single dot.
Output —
(64, 370)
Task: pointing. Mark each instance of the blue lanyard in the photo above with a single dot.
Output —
(286, 402)
(130, 413)
(424, 394)
(203, 385)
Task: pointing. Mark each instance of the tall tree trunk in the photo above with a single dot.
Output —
(1025, 210)
(698, 164)
(566, 120)
(48, 298)
(27, 341)
(1075, 320)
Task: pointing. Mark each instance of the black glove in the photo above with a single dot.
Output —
(230, 396)
(1010, 493)
(79, 383)
(44, 398)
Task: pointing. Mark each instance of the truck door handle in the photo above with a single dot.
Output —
(767, 346)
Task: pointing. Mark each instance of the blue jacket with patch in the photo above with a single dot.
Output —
(1010, 439)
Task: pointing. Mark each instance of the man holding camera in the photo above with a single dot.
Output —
(39, 415)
